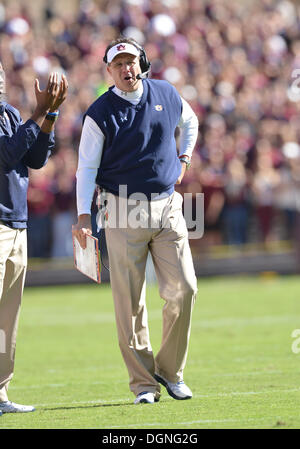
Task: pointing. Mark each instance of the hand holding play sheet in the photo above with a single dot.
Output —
(87, 259)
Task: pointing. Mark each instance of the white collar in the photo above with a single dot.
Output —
(133, 97)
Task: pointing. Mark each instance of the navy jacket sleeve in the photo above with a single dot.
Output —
(39, 152)
(23, 141)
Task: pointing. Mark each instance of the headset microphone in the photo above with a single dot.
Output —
(142, 76)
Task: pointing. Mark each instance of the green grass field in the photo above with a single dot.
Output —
(241, 366)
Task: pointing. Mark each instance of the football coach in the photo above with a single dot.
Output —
(22, 146)
(128, 149)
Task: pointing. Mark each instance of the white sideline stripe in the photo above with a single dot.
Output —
(99, 382)
(246, 393)
(58, 385)
(154, 315)
(217, 395)
(250, 373)
(271, 319)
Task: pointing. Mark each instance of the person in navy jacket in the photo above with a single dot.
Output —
(22, 146)
(128, 149)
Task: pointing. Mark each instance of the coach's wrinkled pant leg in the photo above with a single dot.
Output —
(13, 263)
(177, 282)
(127, 277)
(128, 251)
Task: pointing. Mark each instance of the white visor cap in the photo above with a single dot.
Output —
(121, 48)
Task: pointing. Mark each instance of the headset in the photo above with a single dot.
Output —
(144, 62)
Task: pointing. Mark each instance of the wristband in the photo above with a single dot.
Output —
(52, 116)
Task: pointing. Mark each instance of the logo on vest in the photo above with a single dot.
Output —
(158, 107)
(123, 117)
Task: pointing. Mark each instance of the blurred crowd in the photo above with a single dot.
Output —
(235, 62)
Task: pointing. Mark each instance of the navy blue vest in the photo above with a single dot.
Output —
(139, 148)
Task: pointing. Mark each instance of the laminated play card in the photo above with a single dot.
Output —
(87, 260)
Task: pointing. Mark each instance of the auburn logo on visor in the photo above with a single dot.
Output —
(120, 47)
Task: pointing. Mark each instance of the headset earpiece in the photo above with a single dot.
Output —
(144, 63)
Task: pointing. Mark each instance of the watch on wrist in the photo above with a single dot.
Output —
(186, 160)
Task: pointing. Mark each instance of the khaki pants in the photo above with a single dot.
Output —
(167, 240)
(13, 263)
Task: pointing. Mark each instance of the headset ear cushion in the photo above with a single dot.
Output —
(144, 63)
